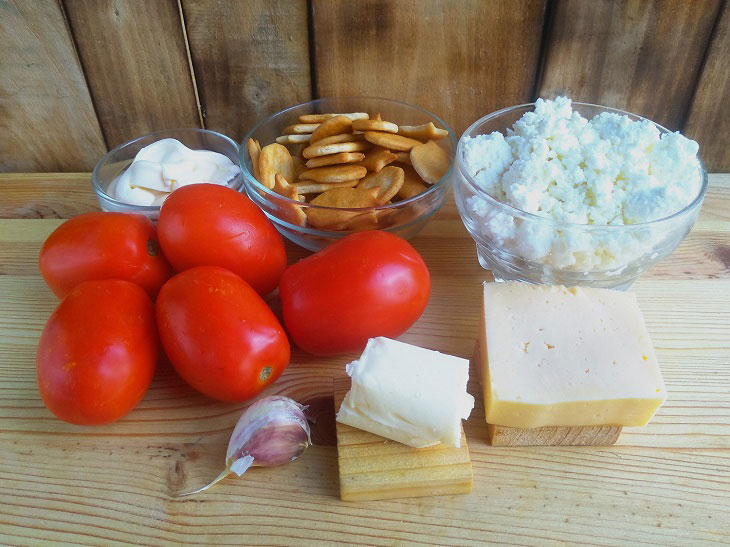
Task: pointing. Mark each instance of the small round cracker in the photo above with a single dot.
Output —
(282, 187)
(333, 159)
(342, 137)
(391, 141)
(289, 212)
(293, 139)
(333, 126)
(300, 128)
(377, 158)
(430, 161)
(319, 118)
(425, 132)
(403, 157)
(335, 173)
(298, 166)
(412, 184)
(388, 181)
(311, 187)
(363, 221)
(254, 151)
(332, 217)
(374, 125)
(317, 150)
(294, 214)
(275, 158)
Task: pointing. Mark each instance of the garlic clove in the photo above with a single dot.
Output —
(269, 413)
(272, 431)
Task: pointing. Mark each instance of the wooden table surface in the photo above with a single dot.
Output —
(664, 484)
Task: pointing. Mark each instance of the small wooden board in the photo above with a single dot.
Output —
(499, 435)
(375, 468)
(553, 436)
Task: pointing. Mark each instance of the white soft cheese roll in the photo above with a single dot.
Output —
(407, 393)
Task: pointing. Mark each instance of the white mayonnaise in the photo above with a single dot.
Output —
(165, 166)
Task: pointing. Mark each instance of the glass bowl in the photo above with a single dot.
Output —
(118, 159)
(405, 218)
(516, 245)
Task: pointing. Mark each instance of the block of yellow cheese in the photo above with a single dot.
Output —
(558, 356)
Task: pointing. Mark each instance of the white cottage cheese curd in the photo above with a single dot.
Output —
(556, 164)
(166, 165)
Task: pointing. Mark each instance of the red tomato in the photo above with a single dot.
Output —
(367, 284)
(212, 225)
(219, 334)
(103, 246)
(98, 352)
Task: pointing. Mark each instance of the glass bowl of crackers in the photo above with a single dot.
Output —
(327, 168)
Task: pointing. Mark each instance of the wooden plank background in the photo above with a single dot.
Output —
(80, 76)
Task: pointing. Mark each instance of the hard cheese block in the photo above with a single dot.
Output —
(500, 435)
(375, 468)
(566, 357)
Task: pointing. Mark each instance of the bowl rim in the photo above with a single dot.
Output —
(95, 173)
(515, 211)
(249, 179)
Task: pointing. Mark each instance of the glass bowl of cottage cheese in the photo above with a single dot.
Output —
(571, 193)
(137, 176)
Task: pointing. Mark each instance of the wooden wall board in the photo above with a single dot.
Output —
(643, 56)
(136, 63)
(459, 60)
(147, 66)
(47, 120)
(251, 59)
(709, 116)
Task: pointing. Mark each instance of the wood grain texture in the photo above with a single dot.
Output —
(708, 121)
(664, 484)
(251, 59)
(136, 63)
(375, 468)
(458, 60)
(500, 435)
(46, 195)
(643, 56)
(47, 121)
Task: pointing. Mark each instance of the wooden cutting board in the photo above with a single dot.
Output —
(664, 484)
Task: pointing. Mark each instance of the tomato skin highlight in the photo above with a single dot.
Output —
(219, 334)
(212, 225)
(103, 246)
(367, 284)
(98, 352)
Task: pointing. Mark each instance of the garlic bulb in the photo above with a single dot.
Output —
(272, 431)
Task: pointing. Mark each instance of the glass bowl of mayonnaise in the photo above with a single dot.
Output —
(137, 176)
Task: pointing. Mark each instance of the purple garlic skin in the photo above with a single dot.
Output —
(277, 444)
(272, 431)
